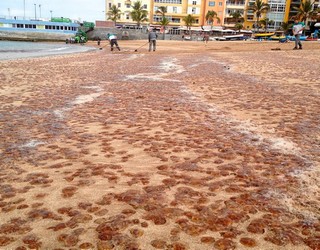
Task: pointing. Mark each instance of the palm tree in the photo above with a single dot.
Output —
(258, 8)
(164, 22)
(238, 26)
(189, 20)
(114, 14)
(316, 15)
(162, 10)
(138, 14)
(265, 22)
(285, 26)
(210, 16)
(305, 11)
(236, 16)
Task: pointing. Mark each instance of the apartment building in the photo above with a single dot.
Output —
(214, 5)
(232, 6)
(176, 11)
(280, 11)
(125, 8)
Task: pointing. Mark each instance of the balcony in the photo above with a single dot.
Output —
(235, 3)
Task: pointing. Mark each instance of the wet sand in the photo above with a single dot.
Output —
(189, 147)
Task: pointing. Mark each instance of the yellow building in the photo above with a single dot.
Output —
(177, 10)
(280, 11)
(125, 8)
(214, 5)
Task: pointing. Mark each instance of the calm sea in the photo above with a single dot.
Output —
(14, 50)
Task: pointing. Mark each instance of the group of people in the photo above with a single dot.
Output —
(152, 37)
(297, 30)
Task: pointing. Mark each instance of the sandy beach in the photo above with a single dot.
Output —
(191, 147)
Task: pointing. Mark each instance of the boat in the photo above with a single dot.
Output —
(278, 35)
(234, 37)
(265, 35)
(38, 29)
(293, 38)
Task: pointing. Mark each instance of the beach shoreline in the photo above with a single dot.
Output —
(11, 50)
(192, 146)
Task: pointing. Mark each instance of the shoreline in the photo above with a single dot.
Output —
(41, 49)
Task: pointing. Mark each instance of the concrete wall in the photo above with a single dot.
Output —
(126, 34)
(33, 36)
(122, 34)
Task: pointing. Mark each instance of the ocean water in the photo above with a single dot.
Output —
(14, 50)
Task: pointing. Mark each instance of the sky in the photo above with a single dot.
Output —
(82, 10)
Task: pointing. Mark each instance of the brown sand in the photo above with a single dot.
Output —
(189, 147)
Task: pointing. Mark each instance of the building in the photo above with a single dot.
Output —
(280, 11)
(231, 7)
(125, 8)
(217, 6)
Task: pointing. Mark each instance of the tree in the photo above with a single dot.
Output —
(210, 16)
(164, 22)
(258, 8)
(238, 26)
(189, 20)
(266, 22)
(236, 16)
(316, 15)
(285, 26)
(114, 14)
(305, 11)
(162, 10)
(138, 14)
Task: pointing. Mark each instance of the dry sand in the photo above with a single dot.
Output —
(189, 147)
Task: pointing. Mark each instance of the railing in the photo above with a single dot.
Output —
(235, 3)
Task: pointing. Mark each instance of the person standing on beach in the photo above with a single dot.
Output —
(297, 29)
(113, 41)
(152, 40)
(206, 38)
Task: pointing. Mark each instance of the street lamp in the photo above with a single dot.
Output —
(40, 10)
(24, 9)
(35, 11)
(51, 13)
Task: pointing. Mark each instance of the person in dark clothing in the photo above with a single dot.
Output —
(152, 40)
(113, 41)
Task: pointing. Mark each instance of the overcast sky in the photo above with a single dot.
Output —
(83, 10)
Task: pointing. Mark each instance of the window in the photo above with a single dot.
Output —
(169, 1)
(127, 16)
(19, 25)
(194, 2)
(174, 9)
(176, 20)
(145, 6)
(281, 8)
(212, 3)
(193, 10)
(30, 26)
(110, 5)
(119, 5)
(128, 6)
(220, 3)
